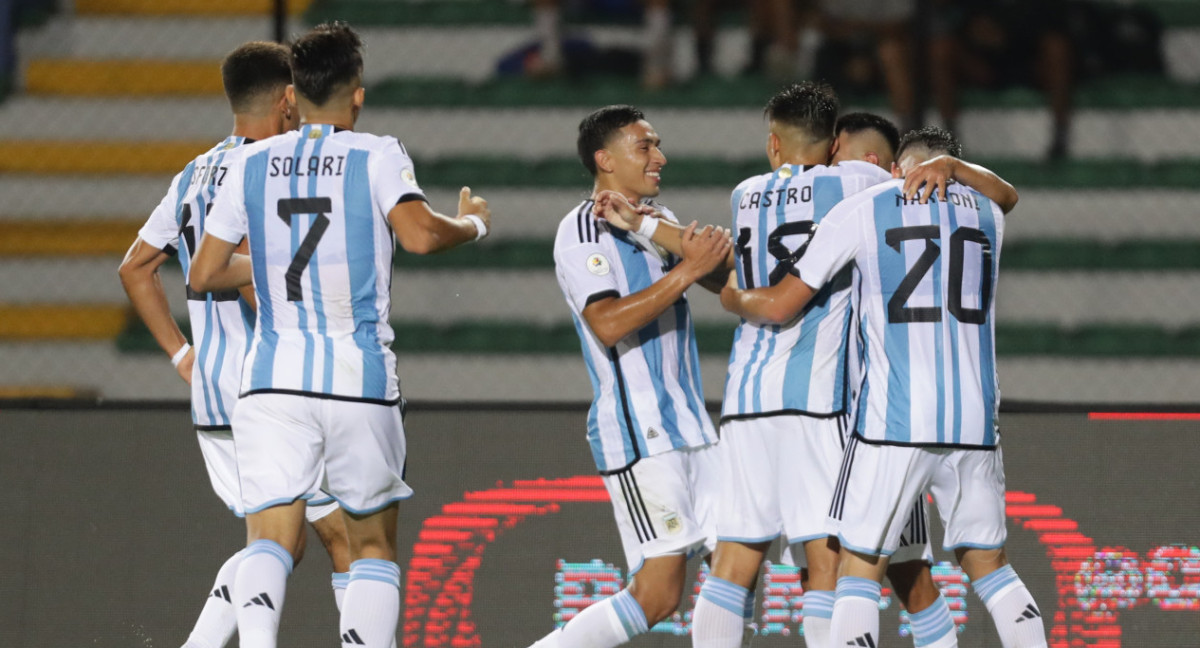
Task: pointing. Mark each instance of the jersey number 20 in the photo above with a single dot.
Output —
(898, 313)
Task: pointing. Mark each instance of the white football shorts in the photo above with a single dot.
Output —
(878, 485)
(778, 477)
(291, 447)
(665, 504)
(220, 459)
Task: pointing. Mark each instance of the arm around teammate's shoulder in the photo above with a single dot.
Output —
(421, 230)
(934, 175)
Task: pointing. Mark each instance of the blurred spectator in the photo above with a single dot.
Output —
(8, 36)
(1048, 44)
(658, 38)
(997, 44)
(881, 29)
(783, 36)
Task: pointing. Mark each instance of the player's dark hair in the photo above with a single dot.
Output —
(597, 128)
(857, 122)
(937, 140)
(808, 106)
(252, 69)
(328, 57)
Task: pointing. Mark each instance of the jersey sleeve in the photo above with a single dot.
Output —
(161, 230)
(393, 179)
(227, 220)
(833, 245)
(587, 273)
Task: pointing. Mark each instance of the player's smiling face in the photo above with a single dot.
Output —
(635, 160)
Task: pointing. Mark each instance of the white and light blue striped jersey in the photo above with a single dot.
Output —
(927, 311)
(647, 394)
(799, 367)
(222, 322)
(313, 205)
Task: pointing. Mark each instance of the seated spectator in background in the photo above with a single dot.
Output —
(998, 44)
(783, 36)
(659, 39)
(883, 26)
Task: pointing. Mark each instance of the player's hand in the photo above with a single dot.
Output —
(705, 249)
(929, 176)
(617, 210)
(468, 204)
(185, 365)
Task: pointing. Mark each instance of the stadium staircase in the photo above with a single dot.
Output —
(1099, 261)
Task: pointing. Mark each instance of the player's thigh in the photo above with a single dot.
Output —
(220, 460)
(875, 484)
(746, 495)
(655, 507)
(968, 488)
(810, 456)
(279, 442)
(364, 457)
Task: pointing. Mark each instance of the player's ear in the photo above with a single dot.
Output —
(603, 160)
(289, 93)
(359, 96)
(774, 144)
(872, 157)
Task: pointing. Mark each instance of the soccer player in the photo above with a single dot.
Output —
(925, 417)
(320, 403)
(650, 435)
(788, 387)
(255, 76)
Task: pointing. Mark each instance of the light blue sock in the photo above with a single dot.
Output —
(933, 625)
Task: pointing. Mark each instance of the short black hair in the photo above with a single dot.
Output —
(808, 106)
(857, 122)
(252, 69)
(937, 140)
(327, 57)
(597, 128)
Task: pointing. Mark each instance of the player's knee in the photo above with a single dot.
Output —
(659, 598)
(978, 563)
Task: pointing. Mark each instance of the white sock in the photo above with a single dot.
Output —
(719, 618)
(749, 627)
(818, 612)
(933, 627)
(218, 620)
(606, 624)
(371, 608)
(855, 620)
(339, 581)
(547, 22)
(1017, 618)
(551, 640)
(258, 593)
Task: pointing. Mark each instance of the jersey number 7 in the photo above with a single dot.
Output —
(289, 207)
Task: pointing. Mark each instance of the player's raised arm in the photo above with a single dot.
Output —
(924, 172)
(649, 222)
(421, 230)
(613, 318)
(140, 278)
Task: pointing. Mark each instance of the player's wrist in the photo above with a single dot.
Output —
(481, 228)
(180, 355)
(648, 226)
